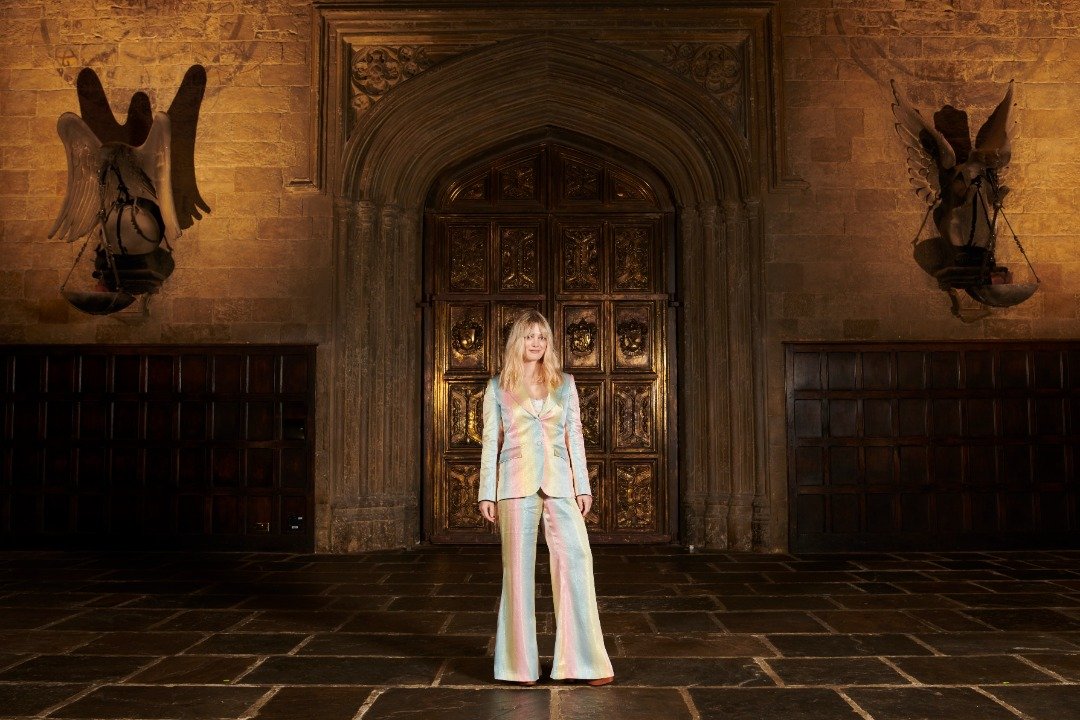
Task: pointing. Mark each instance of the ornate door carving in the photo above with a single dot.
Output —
(584, 240)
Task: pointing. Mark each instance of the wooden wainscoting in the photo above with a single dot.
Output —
(165, 446)
(933, 445)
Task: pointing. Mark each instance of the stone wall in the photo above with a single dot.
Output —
(838, 261)
(838, 258)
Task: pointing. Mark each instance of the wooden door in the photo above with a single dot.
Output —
(585, 241)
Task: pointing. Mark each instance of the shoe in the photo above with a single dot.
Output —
(597, 682)
(523, 683)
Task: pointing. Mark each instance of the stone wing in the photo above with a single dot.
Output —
(81, 210)
(153, 158)
(928, 152)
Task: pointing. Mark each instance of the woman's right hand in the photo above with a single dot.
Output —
(487, 509)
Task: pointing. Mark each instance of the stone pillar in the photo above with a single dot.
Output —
(761, 515)
(715, 387)
(740, 352)
(375, 415)
(691, 353)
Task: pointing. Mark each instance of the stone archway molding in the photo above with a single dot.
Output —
(484, 98)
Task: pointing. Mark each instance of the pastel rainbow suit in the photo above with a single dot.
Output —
(533, 465)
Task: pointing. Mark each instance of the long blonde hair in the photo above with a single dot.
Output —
(549, 370)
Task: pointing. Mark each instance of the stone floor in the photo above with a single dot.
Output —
(888, 636)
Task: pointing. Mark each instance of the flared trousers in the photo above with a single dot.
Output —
(579, 643)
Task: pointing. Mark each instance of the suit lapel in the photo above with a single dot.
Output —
(521, 397)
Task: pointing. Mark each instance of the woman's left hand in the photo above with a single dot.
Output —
(584, 503)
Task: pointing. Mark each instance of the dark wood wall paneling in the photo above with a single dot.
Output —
(942, 445)
(201, 446)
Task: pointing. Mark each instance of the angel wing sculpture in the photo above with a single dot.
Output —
(962, 185)
(134, 182)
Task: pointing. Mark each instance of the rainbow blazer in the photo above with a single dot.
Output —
(538, 450)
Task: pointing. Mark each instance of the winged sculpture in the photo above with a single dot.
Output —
(134, 182)
(962, 184)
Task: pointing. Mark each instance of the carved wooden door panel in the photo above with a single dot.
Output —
(583, 240)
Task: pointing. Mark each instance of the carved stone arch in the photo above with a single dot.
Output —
(453, 111)
(474, 100)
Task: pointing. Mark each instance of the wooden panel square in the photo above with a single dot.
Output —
(260, 468)
(809, 467)
(159, 374)
(844, 465)
(844, 513)
(1015, 418)
(978, 418)
(984, 512)
(945, 369)
(1049, 369)
(633, 416)
(518, 257)
(468, 265)
(879, 464)
(94, 374)
(914, 465)
(810, 514)
(462, 483)
(807, 371)
(94, 420)
(1050, 416)
(61, 374)
(634, 336)
(465, 414)
(262, 374)
(914, 512)
(912, 414)
(911, 370)
(635, 495)
(840, 369)
(879, 513)
(808, 418)
(949, 513)
(1014, 368)
(982, 465)
(1050, 463)
(945, 417)
(466, 337)
(59, 420)
(877, 418)
(633, 263)
(192, 468)
(946, 464)
(581, 336)
(979, 369)
(194, 374)
(228, 374)
(843, 418)
(1016, 464)
(127, 374)
(580, 249)
(877, 370)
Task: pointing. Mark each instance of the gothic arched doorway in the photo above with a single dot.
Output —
(586, 239)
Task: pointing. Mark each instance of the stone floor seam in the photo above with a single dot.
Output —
(854, 705)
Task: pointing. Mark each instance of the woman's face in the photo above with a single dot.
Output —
(536, 342)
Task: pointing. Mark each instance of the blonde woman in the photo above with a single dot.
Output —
(532, 470)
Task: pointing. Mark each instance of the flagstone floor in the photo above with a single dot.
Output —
(408, 634)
